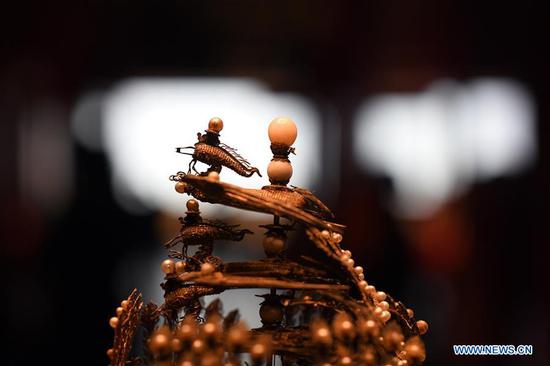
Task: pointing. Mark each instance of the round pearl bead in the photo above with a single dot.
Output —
(124, 303)
(363, 284)
(192, 205)
(380, 296)
(271, 313)
(385, 316)
(358, 269)
(274, 244)
(119, 311)
(213, 176)
(168, 266)
(283, 131)
(361, 276)
(180, 267)
(113, 322)
(215, 124)
(180, 187)
(350, 262)
(207, 268)
(337, 237)
(422, 326)
(384, 305)
(279, 171)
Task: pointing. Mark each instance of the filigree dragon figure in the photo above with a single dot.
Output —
(211, 151)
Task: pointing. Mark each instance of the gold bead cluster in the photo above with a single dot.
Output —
(211, 343)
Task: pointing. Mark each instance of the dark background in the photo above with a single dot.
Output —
(56, 270)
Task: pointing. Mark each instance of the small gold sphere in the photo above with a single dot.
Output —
(358, 270)
(322, 336)
(214, 176)
(192, 205)
(113, 322)
(160, 343)
(198, 346)
(176, 345)
(271, 313)
(274, 244)
(180, 187)
(384, 305)
(337, 237)
(422, 326)
(380, 296)
(415, 350)
(180, 267)
(119, 311)
(110, 353)
(238, 336)
(168, 266)
(410, 313)
(124, 303)
(215, 125)
(207, 268)
(370, 327)
(385, 316)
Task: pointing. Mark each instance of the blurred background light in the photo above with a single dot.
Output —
(434, 144)
(144, 119)
(44, 156)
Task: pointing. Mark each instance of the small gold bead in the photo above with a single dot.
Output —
(422, 326)
(214, 176)
(410, 313)
(110, 353)
(124, 303)
(113, 322)
(346, 360)
(180, 267)
(378, 311)
(161, 343)
(176, 345)
(198, 346)
(215, 124)
(192, 205)
(384, 305)
(207, 268)
(385, 316)
(325, 234)
(180, 187)
(358, 270)
(168, 266)
(337, 237)
(380, 296)
(119, 311)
